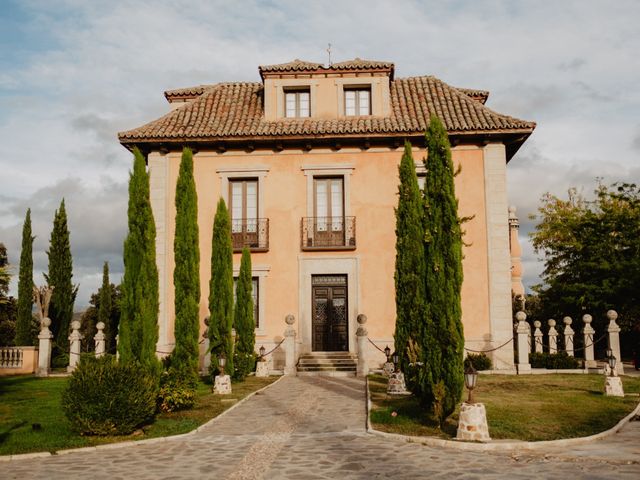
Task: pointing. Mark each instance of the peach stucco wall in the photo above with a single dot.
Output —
(372, 196)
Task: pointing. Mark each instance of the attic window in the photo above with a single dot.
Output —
(357, 101)
(297, 103)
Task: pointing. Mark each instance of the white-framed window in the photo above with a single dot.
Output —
(357, 101)
(297, 103)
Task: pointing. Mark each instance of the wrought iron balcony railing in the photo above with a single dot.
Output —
(328, 233)
(253, 233)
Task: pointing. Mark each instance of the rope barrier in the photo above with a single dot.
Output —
(273, 349)
(376, 346)
(491, 350)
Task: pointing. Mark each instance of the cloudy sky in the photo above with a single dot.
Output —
(73, 73)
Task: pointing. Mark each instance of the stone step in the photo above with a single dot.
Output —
(329, 354)
(326, 368)
(337, 361)
(327, 373)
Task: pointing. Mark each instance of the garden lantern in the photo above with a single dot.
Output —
(608, 353)
(222, 361)
(262, 352)
(470, 380)
(611, 359)
(395, 360)
(387, 352)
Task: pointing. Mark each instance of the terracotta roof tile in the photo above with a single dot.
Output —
(294, 66)
(227, 111)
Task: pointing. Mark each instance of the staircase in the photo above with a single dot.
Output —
(330, 364)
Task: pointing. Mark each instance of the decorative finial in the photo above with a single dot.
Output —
(329, 52)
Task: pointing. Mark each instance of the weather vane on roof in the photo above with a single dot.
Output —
(329, 52)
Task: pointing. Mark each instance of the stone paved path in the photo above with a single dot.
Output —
(314, 428)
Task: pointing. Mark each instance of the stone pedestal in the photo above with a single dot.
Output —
(473, 423)
(537, 335)
(75, 340)
(290, 346)
(388, 368)
(100, 340)
(553, 336)
(262, 369)
(222, 385)
(522, 331)
(44, 349)
(613, 331)
(568, 335)
(361, 335)
(397, 386)
(588, 333)
(613, 387)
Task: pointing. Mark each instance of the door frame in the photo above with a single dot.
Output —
(307, 266)
(345, 286)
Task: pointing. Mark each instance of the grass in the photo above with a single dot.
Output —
(25, 401)
(519, 407)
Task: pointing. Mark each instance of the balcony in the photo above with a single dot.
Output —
(328, 233)
(253, 234)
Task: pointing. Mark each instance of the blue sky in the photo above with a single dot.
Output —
(73, 73)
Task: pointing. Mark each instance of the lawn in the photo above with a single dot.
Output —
(25, 401)
(519, 407)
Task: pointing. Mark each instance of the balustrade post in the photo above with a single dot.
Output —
(553, 336)
(568, 335)
(44, 348)
(588, 335)
(99, 339)
(75, 341)
(522, 331)
(290, 346)
(613, 331)
(537, 335)
(361, 334)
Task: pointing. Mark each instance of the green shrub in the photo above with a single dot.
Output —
(59, 359)
(106, 397)
(177, 390)
(244, 364)
(479, 361)
(553, 361)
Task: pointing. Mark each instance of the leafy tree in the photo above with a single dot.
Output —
(244, 321)
(59, 277)
(7, 303)
(25, 286)
(591, 256)
(410, 263)
(221, 289)
(443, 258)
(139, 307)
(89, 318)
(104, 308)
(186, 275)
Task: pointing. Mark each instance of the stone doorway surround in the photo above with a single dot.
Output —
(308, 266)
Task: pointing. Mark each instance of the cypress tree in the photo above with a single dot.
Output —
(221, 289)
(59, 276)
(243, 319)
(25, 285)
(410, 265)
(186, 275)
(138, 331)
(104, 308)
(443, 258)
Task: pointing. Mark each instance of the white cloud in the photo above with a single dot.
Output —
(570, 66)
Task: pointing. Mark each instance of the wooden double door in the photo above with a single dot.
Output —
(330, 322)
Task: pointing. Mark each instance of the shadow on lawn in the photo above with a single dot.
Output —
(5, 435)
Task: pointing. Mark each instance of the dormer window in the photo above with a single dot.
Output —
(357, 101)
(297, 103)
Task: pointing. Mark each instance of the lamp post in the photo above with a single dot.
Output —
(262, 352)
(387, 352)
(222, 361)
(611, 359)
(470, 380)
(395, 361)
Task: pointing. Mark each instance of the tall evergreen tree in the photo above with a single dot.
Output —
(186, 275)
(25, 285)
(243, 319)
(221, 288)
(59, 277)
(410, 264)
(8, 305)
(104, 309)
(443, 258)
(138, 332)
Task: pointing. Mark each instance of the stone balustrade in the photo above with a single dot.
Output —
(18, 360)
